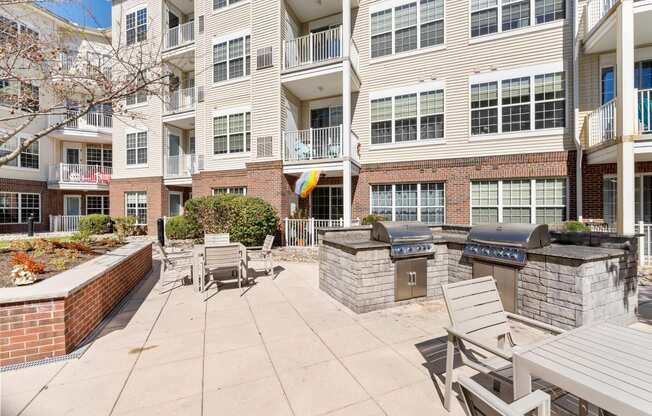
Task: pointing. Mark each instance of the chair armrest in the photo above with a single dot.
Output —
(550, 328)
(534, 400)
(254, 248)
(504, 354)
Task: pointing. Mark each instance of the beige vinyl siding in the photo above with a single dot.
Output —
(454, 65)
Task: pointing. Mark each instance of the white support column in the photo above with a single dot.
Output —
(346, 112)
(625, 123)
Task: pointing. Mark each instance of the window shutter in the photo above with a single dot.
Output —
(201, 24)
(264, 146)
(264, 58)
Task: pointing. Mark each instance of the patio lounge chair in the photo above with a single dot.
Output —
(480, 402)
(478, 320)
(224, 258)
(263, 253)
(175, 262)
(211, 240)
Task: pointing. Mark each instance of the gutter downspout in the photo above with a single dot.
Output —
(576, 112)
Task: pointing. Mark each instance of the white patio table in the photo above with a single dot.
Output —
(604, 364)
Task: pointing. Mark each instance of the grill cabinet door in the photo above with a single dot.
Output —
(420, 280)
(402, 286)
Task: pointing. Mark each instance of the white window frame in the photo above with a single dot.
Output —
(138, 209)
(393, 93)
(20, 208)
(104, 162)
(140, 97)
(72, 196)
(136, 132)
(231, 4)
(393, 4)
(134, 10)
(533, 197)
(229, 190)
(180, 195)
(12, 142)
(523, 72)
(419, 206)
(106, 203)
(246, 70)
(532, 26)
(330, 206)
(227, 114)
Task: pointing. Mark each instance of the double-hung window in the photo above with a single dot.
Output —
(139, 95)
(232, 58)
(534, 101)
(495, 16)
(410, 202)
(97, 204)
(232, 133)
(541, 201)
(137, 148)
(28, 158)
(17, 207)
(136, 25)
(221, 4)
(408, 115)
(99, 155)
(406, 27)
(136, 206)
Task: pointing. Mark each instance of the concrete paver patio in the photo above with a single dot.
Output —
(282, 348)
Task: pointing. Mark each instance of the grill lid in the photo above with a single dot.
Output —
(400, 232)
(526, 236)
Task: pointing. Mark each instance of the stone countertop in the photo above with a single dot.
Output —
(584, 253)
(69, 281)
(355, 245)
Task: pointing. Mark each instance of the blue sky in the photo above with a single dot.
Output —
(92, 13)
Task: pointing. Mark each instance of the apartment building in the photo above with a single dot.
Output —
(65, 174)
(458, 112)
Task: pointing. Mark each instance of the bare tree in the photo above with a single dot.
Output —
(50, 80)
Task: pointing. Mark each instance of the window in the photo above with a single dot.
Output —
(550, 104)
(98, 155)
(406, 27)
(409, 117)
(220, 4)
(28, 158)
(507, 105)
(512, 201)
(484, 108)
(238, 190)
(17, 207)
(232, 133)
(97, 204)
(490, 16)
(609, 199)
(139, 96)
(136, 26)
(136, 206)
(232, 59)
(9, 29)
(137, 148)
(410, 202)
(19, 95)
(326, 203)
(608, 84)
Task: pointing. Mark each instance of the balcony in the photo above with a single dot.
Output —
(93, 121)
(312, 144)
(601, 26)
(70, 176)
(313, 49)
(179, 36)
(183, 166)
(182, 100)
(602, 121)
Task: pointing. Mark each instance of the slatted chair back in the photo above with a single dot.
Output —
(222, 256)
(216, 239)
(475, 308)
(267, 245)
(479, 401)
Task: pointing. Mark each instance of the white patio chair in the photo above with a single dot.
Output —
(479, 401)
(263, 253)
(178, 265)
(480, 330)
(229, 258)
(211, 240)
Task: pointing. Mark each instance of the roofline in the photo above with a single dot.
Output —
(72, 25)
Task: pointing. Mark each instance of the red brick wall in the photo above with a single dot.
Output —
(35, 330)
(457, 174)
(18, 185)
(592, 185)
(157, 200)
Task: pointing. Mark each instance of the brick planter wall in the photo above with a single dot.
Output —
(42, 326)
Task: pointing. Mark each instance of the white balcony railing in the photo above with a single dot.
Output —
(596, 10)
(355, 147)
(179, 36)
(80, 174)
(93, 120)
(602, 124)
(303, 232)
(183, 99)
(183, 165)
(304, 145)
(645, 111)
(313, 48)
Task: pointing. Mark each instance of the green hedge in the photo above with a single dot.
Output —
(372, 218)
(247, 220)
(95, 224)
(181, 228)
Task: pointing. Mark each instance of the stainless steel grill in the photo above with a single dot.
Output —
(407, 239)
(506, 243)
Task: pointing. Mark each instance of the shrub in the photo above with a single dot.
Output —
(247, 220)
(576, 227)
(372, 218)
(81, 236)
(125, 226)
(21, 245)
(27, 262)
(95, 224)
(181, 228)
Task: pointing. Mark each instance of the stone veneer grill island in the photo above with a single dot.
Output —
(579, 279)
